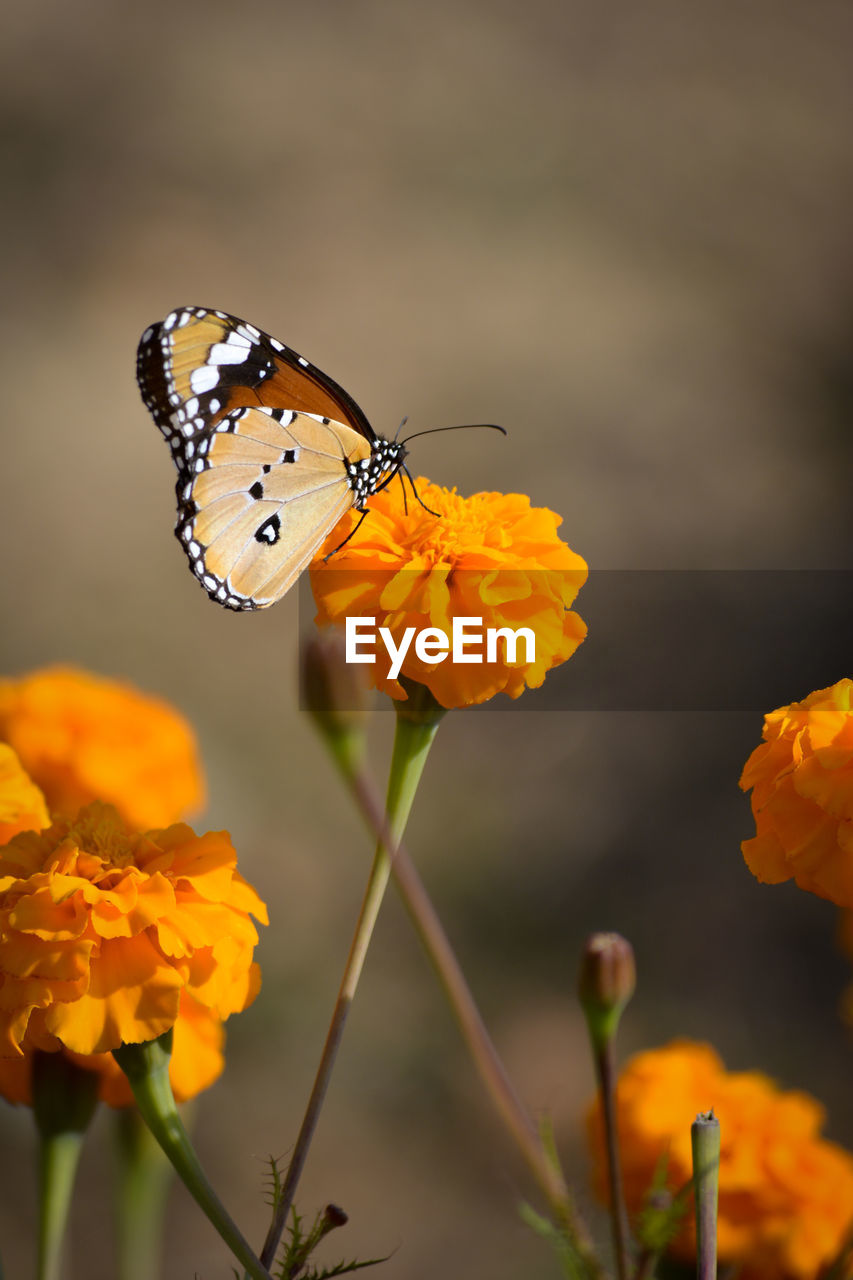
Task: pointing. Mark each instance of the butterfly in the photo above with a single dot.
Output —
(270, 452)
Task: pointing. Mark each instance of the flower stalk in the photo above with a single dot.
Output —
(144, 1176)
(705, 1142)
(147, 1069)
(64, 1100)
(606, 984)
(417, 723)
(544, 1169)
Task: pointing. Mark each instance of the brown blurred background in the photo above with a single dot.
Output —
(623, 232)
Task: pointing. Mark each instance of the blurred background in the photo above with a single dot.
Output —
(624, 233)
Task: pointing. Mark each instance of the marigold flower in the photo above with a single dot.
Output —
(82, 737)
(801, 778)
(786, 1194)
(491, 556)
(197, 1061)
(22, 806)
(103, 928)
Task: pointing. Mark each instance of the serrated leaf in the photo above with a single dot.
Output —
(571, 1264)
(343, 1267)
(662, 1213)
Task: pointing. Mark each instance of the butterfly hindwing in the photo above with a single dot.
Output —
(270, 452)
(265, 488)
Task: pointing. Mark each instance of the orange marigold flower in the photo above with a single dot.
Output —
(82, 737)
(801, 778)
(491, 556)
(786, 1194)
(103, 928)
(197, 1061)
(22, 806)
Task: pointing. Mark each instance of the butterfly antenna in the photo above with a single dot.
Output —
(464, 426)
(400, 428)
(437, 514)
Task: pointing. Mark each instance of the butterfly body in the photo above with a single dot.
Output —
(270, 451)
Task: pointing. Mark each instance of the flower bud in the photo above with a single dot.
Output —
(333, 1217)
(333, 691)
(607, 980)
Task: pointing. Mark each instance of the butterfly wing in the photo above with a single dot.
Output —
(261, 439)
(198, 365)
(265, 488)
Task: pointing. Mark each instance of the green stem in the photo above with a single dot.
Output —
(59, 1155)
(415, 731)
(147, 1069)
(144, 1175)
(705, 1139)
(64, 1100)
(604, 1068)
(511, 1111)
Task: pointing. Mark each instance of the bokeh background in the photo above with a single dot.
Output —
(623, 232)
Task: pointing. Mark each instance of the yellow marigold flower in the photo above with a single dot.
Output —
(491, 556)
(197, 1061)
(103, 928)
(801, 778)
(786, 1194)
(81, 738)
(22, 806)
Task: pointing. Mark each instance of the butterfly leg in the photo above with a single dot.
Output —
(403, 487)
(437, 514)
(336, 549)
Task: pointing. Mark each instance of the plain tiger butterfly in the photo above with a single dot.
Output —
(270, 452)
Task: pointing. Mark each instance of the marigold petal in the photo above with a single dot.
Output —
(101, 929)
(766, 859)
(133, 996)
(122, 915)
(220, 979)
(22, 805)
(801, 778)
(785, 1194)
(83, 738)
(491, 557)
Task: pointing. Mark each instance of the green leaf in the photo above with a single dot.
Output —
(661, 1216)
(300, 1246)
(571, 1263)
(343, 1267)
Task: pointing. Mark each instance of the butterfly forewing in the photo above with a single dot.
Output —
(198, 365)
(270, 452)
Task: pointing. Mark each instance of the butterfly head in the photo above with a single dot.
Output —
(369, 475)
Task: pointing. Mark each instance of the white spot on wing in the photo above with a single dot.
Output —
(229, 352)
(204, 378)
